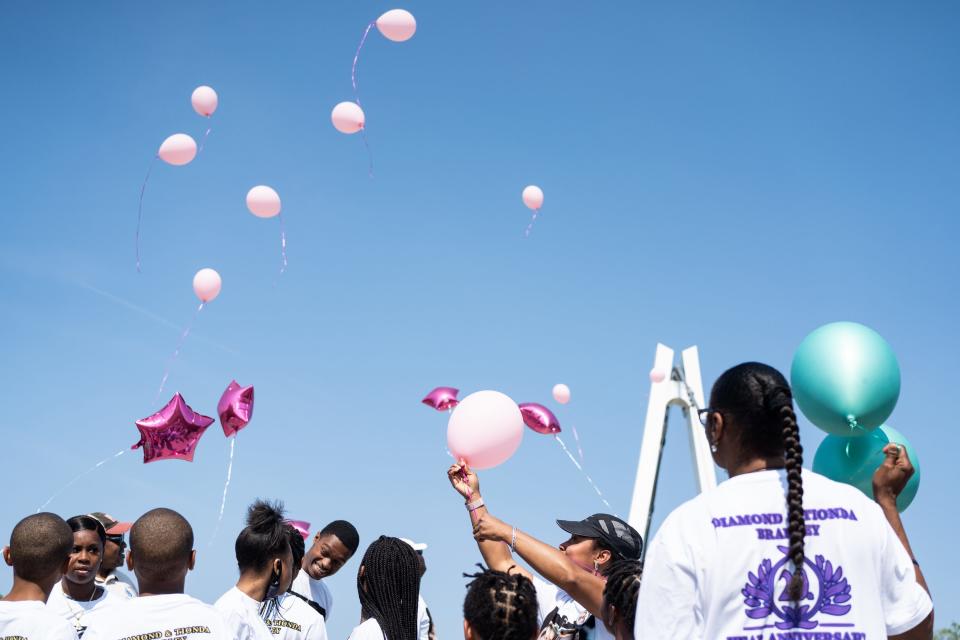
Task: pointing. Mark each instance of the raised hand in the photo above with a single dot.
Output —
(891, 477)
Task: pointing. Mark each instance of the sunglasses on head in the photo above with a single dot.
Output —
(118, 540)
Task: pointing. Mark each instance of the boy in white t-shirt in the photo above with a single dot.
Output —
(333, 546)
(38, 552)
(776, 552)
(290, 616)
(161, 554)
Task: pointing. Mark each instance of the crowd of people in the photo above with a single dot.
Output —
(773, 552)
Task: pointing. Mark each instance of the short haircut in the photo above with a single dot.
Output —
(161, 541)
(500, 606)
(346, 532)
(88, 523)
(297, 546)
(39, 545)
(264, 537)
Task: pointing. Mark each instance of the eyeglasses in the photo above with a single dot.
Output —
(704, 415)
(117, 540)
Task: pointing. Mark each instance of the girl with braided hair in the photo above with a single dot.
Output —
(499, 606)
(388, 583)
(776, 551)
(620, 597)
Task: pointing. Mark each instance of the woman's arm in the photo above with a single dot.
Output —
(551, 563)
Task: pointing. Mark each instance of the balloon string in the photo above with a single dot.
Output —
(90, 470)
(176, 352)
(223, 501)
(356, 60)
(283, 244)
(585, 474)
(576, 437)
(204, 141)
(526, 233)
(363, 134)
(143, 188)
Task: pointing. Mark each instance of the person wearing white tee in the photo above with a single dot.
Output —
(78, 594)
(289, 615)
(425, 628)
(332, 547)
(109, 576)
(776, 551)
(388, 584)
(161, 555)
(38, 551)
(266, 570)
(571, 598)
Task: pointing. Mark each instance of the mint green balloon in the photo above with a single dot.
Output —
(845, 378)
(854, 460)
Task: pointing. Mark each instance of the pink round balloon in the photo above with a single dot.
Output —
(178, 149)
(398, 25)
(533, 197)
(206, 284)
(347, 117)
(657, 376)
(263, 201)
(485, 429)
(561, 393)
(204, 100)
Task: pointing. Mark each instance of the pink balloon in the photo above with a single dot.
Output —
(204, 100)
(302, 527)
(657, 376)
(485, 429)
(263, 201)
(533, 197)
(539, 418)
(206, 284)
(171, 433)
(235, 408)
(178, 149)
(561, 393)
(347, 117)
(442, 398)
(398, 25)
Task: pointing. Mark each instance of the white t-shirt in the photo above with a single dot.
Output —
(369, 629)
(423, 620)
(560, 616)
(294, 619)
(314, 590)
(174, 615)
(76, 611)
(32, 620)
(119, 584)
(242, 614)
(718, 569)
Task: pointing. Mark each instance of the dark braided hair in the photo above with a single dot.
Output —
(759, 397)
(389, 586)
(621, 590)
(264, 538)
(500, 606)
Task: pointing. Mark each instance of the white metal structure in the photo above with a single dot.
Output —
(681, 387)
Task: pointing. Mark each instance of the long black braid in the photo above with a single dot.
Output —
(621, 590)
(758, 396)
(389, 587)
(500, 606)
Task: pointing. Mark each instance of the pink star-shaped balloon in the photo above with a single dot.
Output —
(442, 398)
(171, 433)
(302, 527)
(235, 408)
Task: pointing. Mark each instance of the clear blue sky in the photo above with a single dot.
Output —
(730, 175)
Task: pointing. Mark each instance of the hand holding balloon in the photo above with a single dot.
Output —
(892, 476)
(487, 527)
(464, 480)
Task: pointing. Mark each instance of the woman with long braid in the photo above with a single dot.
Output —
(388, 583)
(779, 552)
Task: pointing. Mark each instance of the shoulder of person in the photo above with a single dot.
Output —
(369, 629)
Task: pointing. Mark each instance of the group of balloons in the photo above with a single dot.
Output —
(846, 381)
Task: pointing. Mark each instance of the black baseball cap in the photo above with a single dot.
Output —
(614, 532)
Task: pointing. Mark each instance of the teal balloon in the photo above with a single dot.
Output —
(854, 460)
(845, 378)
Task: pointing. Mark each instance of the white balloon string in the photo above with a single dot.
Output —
(533, 219)
(576, 438)
(356, 61)
(143, 188)
(176, 352)
(223, 501)
(585, 474)
(283, 245)
(204, 141)
(71, 483)
(363, 134)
